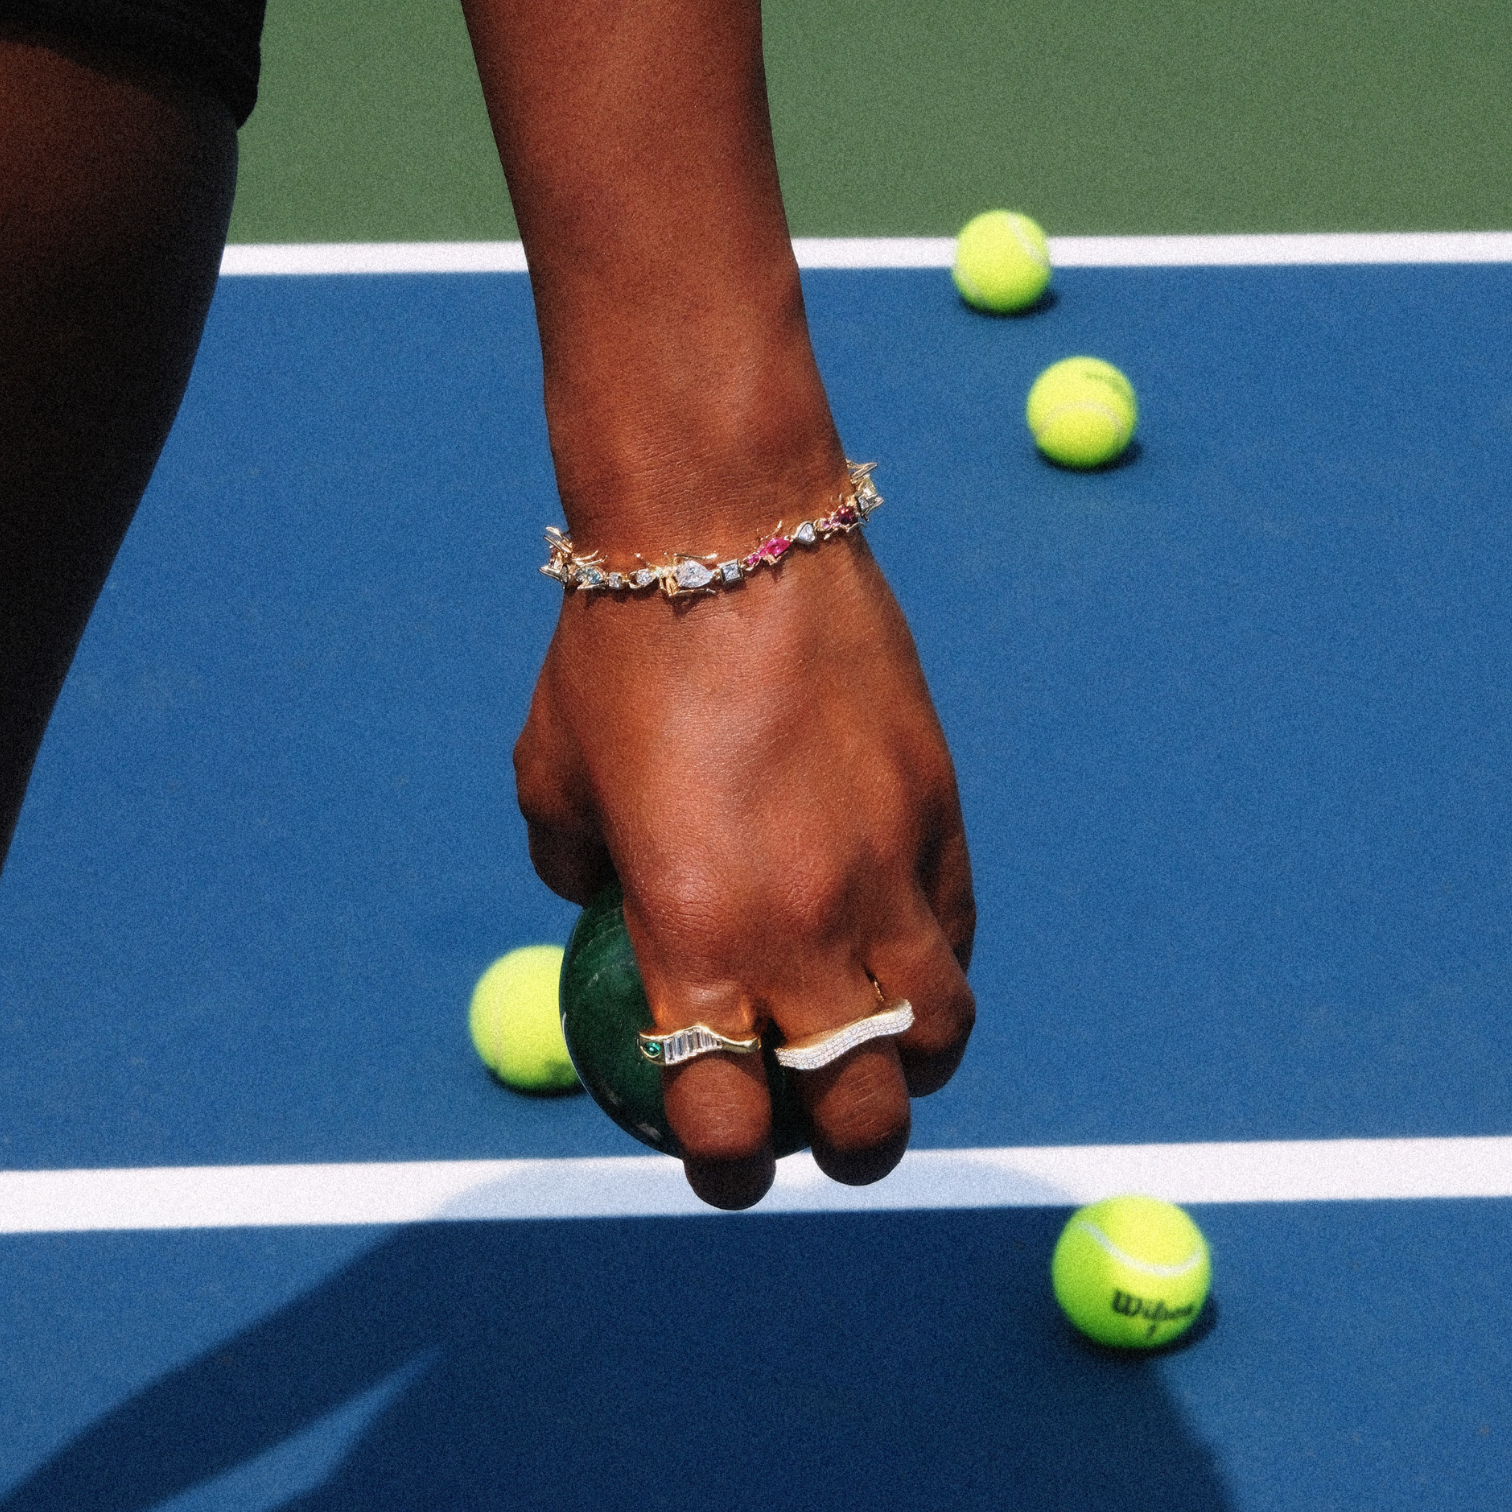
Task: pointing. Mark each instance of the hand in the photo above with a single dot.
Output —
(765, 773)
(762, 769)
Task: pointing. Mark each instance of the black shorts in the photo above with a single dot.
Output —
(214, 43)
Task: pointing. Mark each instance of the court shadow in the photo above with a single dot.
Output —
(1047, 301)
(876, 1361)
(1126, 458)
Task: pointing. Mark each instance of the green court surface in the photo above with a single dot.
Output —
(903, 118)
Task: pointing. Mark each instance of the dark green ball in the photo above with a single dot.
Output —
(603, 1009)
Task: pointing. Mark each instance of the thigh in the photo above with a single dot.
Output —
(115, 190)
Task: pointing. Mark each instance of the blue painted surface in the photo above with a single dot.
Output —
(1357, 1359)
(1232, 724)
(1232, 721)
(272, 839)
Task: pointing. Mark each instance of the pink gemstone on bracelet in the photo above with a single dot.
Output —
(681, 573)
(770, 550)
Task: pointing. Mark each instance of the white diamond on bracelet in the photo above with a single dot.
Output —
(682, 574)
(820, 1049)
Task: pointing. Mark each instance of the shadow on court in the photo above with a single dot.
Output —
(877, 1361)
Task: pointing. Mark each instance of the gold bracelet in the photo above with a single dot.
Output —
(681, 574)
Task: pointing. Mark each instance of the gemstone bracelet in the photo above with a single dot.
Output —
(682, 574)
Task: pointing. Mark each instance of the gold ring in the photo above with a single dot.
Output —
(816, 1050)
(679, 1045)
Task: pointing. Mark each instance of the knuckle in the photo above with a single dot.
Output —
(933, 1048)
(962, 932)
(859, 1131)
(537, 786)
(815, 901)
(718, 925)
(943, 1027)
(955, 1017)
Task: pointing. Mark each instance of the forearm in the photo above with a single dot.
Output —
(765, 776)
(684, 403)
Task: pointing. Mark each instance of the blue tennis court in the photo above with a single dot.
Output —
(1232, 721)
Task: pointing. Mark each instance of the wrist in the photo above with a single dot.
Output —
(683, 574)
(697, 438)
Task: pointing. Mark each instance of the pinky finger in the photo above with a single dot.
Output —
(927, 972)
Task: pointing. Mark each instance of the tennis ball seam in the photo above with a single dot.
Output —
(1008, 249)
(1147, 1267)
(1071, 406)
(1030, 250)
(966, 286)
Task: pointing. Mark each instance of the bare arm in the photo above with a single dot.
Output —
(764, 772)
(680, 387)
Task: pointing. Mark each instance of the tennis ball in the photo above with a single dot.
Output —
(1002, 263)
(516, 1025)
(1132, 1271)
(1081, 412)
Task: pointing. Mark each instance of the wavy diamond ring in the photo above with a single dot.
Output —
(817, 1050)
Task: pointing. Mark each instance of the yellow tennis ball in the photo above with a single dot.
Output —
(1002, 262)
(1132, 1271)
(516, 1023)
(1082, 412)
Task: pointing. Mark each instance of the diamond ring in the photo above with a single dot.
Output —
(816, 1050)
(679, 1045)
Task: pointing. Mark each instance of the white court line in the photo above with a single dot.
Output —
(1287, 249)
(650, 1186)
(1348, 247)
(262, 259)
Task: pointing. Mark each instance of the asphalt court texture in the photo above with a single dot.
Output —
(1231, 725)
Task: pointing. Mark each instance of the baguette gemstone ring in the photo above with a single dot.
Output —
(679, 1045)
